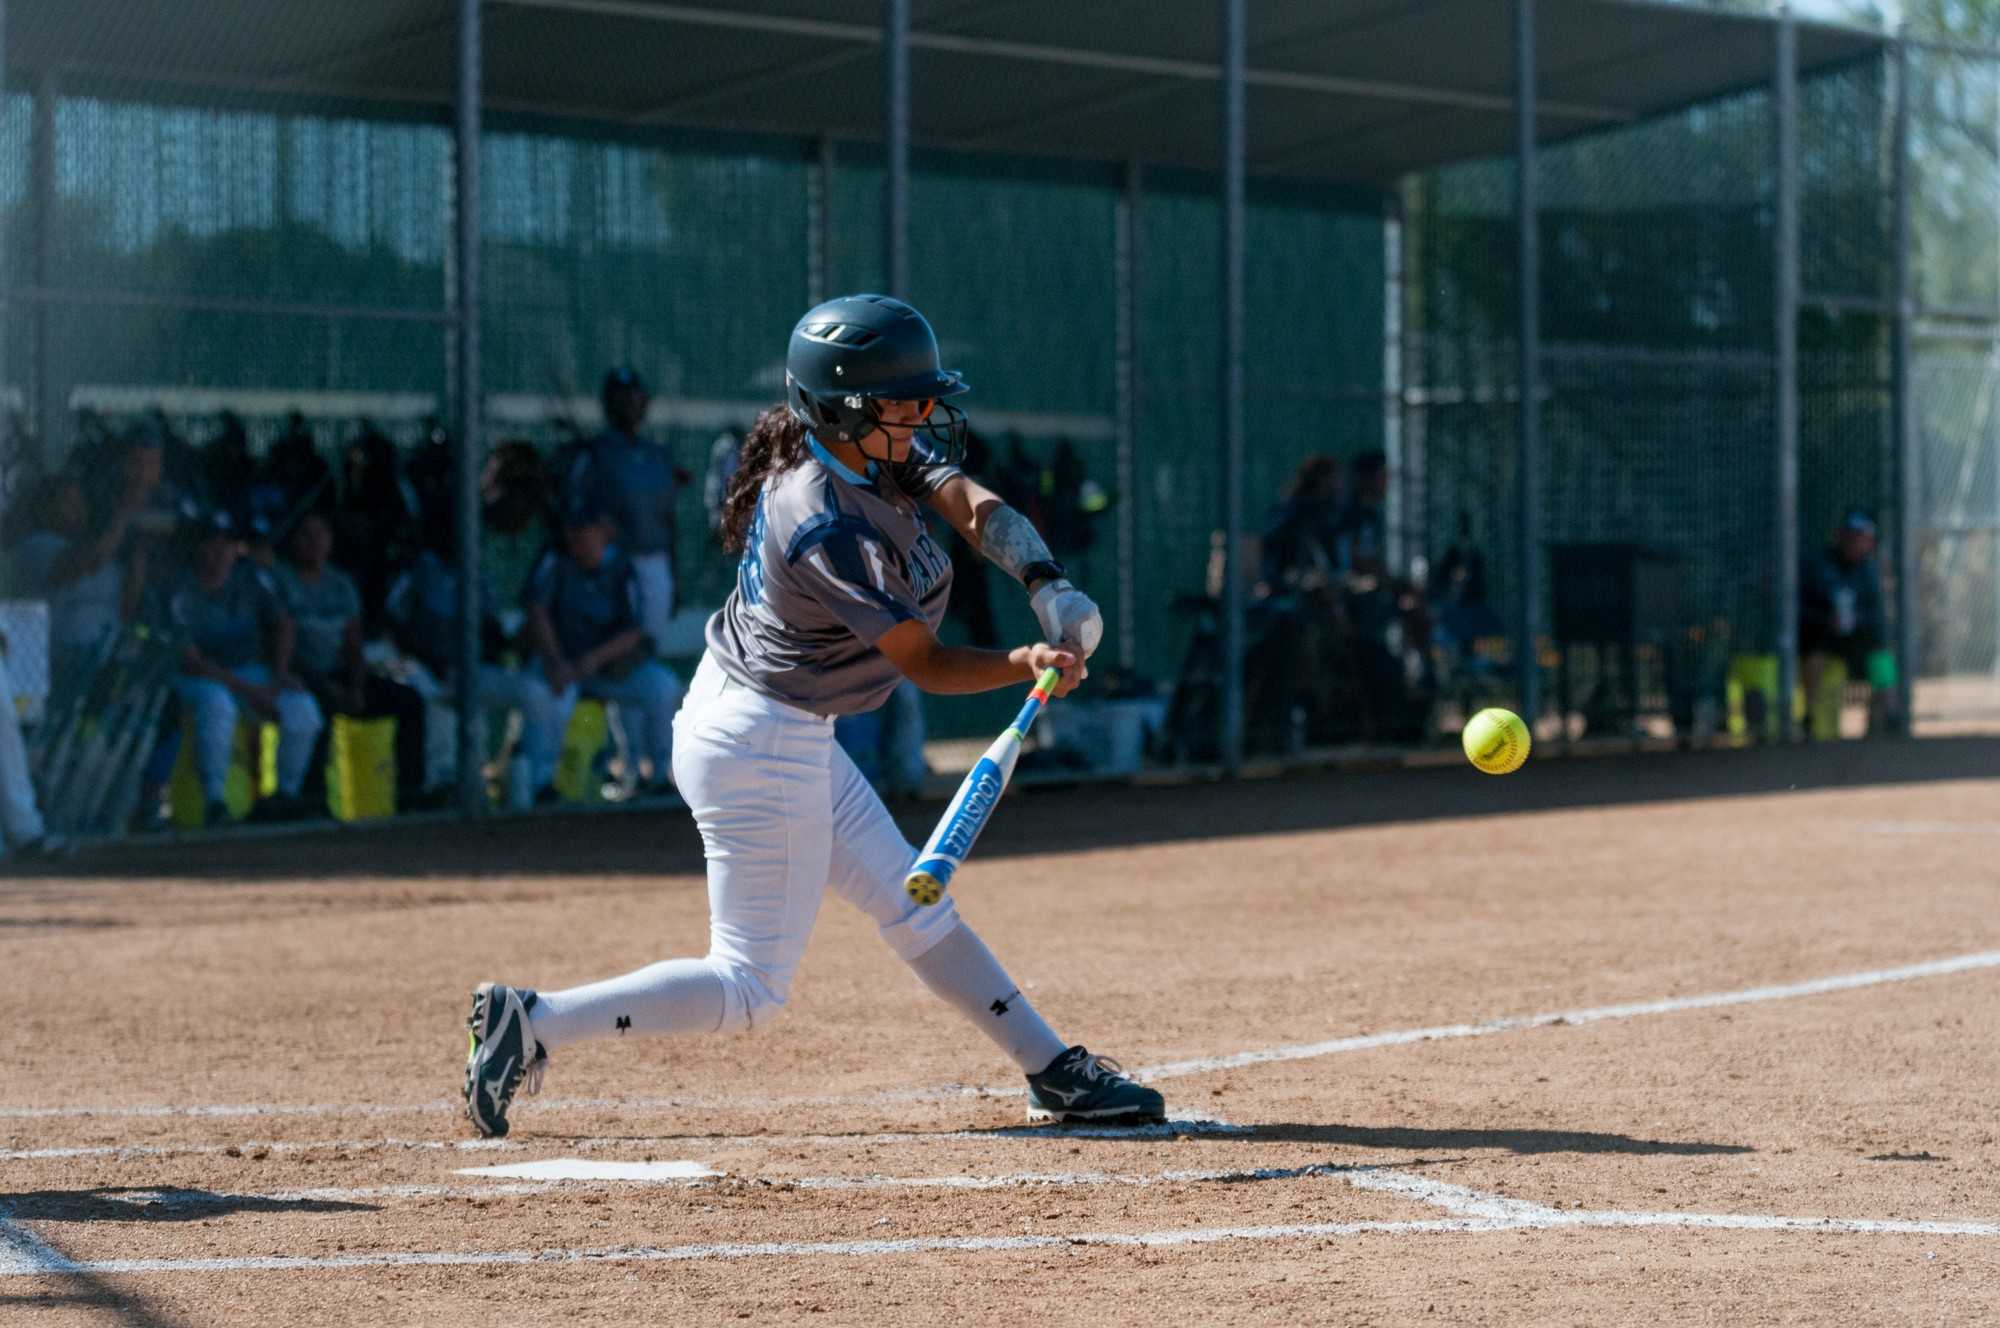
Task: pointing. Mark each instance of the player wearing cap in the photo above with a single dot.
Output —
(631, 480)
(838, 596)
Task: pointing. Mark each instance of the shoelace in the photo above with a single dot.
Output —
(1093, 1068)
(531, 1077)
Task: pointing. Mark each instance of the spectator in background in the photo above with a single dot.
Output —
(583, 608)
(1302, 544)
(1300, 675)
(325, 603)
(91, 572)
(294, 468)
(516, 525)
(631, 481)
(373, 520)
(1363, 527)
(1464, 614)
(1840, 603)
(1390, 618)
(227, 467)
(724, 455)
(236, 654)
(422, 613)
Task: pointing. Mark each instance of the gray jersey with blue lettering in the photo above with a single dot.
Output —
(832, 561)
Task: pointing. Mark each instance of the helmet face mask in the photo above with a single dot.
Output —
(851, 355)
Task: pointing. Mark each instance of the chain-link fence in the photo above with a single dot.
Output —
(259, 290)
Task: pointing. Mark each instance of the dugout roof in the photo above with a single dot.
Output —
(1355, 91)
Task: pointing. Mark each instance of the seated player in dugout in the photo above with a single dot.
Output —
(838, 596)
(326, 604)
(1841, 615)
(236, 656)
(585, 607)
(422, 616)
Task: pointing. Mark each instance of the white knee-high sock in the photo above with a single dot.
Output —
(674, 996)
(964, 973)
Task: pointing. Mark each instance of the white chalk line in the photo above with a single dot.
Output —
(1175, 1127)
(23, 1253)
(1986, 959)
(1599, 1014)
(1471, 1211)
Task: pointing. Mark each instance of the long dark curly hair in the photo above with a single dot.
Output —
(776, 443)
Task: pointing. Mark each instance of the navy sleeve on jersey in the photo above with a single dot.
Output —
(850, 570)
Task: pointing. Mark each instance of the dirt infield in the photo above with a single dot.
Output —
(1685, 1039)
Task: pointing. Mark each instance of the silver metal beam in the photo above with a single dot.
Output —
(1785, 238)
(1235, 134)
(788, 71)
(1399, 524)
(1908, 490)
(1125, 372)
(1528, 275)
(470, 409)
(41, 212)
(1193, 70)
(6, 264)
(896, 147)
(122, 299)
(819, 220)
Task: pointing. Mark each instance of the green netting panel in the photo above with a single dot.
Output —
(1014, 265)
(1846, 444)
(1656, 314)
(1313, 373)
(1956, 386)
(687, 263)
(266, 259)
(683, 258)
(248, 204)
(16, 116)
(1955, 239)
(1845, 181)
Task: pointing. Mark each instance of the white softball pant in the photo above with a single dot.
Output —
(215, 710)
(20, 820)
(785, 817)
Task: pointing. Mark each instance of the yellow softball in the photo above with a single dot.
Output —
(1496, 741)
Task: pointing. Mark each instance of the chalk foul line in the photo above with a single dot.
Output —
(1936, 968)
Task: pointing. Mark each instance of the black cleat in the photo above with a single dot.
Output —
(503, 1054)
(1083, 1087)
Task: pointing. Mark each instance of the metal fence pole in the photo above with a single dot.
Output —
(1402, 548)
(1125, 295)
(819, 221)
(470, 405)
(1784, 104)
(896, 146)
(1234, 134)
(41, 211)
(1527, 205)
(1908, 488)
(6, 264)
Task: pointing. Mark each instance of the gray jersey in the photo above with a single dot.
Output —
(832, 561)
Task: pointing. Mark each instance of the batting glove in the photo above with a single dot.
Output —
(1068, 617)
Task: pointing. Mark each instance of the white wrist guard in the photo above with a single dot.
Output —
(1068, 617)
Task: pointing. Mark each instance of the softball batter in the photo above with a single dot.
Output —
(838, 597)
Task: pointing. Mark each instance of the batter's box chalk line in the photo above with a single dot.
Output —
(22, 1254)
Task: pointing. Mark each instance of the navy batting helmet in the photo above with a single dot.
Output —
(850, 353)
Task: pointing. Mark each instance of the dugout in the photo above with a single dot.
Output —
(1196, 240)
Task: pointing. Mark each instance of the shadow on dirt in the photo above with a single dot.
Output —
(155, 1205)
(1053, 820)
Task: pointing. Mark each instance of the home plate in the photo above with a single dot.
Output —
(576, 1168)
